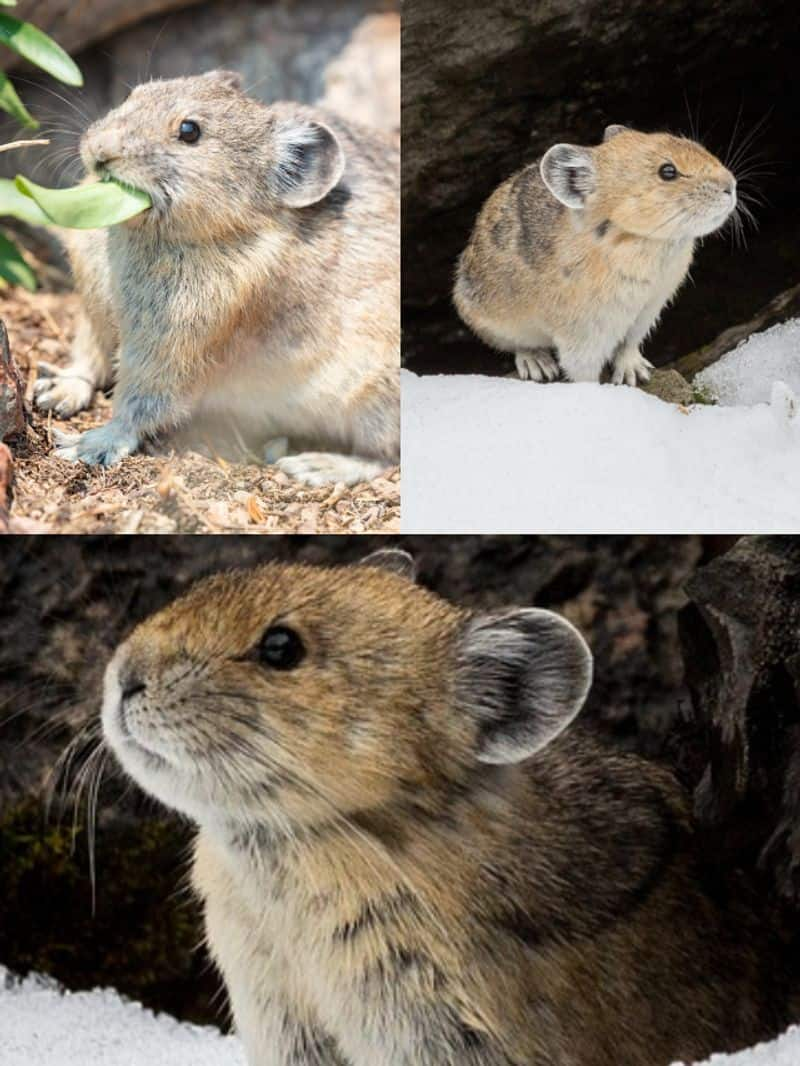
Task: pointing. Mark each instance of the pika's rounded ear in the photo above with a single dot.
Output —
(524, 675)
(394, 560)
(309, 163)
(569, 173)
(231, 79)
(612, 131)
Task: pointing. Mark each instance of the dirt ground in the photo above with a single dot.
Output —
(171, 493)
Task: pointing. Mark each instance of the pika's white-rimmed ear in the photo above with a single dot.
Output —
(569, 173)
(395, 560)
(524, 674)
(231, 79)
(309, 163)
(612, 131)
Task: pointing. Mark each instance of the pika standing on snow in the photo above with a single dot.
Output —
(258, 299)
(572, 259)
(406, 857)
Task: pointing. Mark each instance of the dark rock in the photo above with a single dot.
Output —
(669, 386)
(741, 640)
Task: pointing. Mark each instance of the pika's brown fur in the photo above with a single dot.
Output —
(402, 862)
(258, 299)
(572, 260)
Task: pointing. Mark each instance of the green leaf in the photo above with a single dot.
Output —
(18, 205)
(13, 267)
(94, 206)
(10, 102)
(32, 44)
(8, 3)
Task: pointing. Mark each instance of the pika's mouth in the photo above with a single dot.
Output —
(106, 174)
(122, 735)
(133, 741)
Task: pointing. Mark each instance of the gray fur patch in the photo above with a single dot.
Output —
(537, 213)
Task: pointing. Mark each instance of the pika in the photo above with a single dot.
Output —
(257, 300)
(572, 260)
(405, 855)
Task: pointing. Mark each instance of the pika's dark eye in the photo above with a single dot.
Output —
(668, 172)
(281, 648)
(189, 131)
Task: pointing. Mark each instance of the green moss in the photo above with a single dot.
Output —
(141, 933)
(702, 394)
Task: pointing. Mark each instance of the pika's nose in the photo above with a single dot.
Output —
(104, 145)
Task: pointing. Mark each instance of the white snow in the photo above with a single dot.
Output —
(495, 455)
(746, 374)
(782, 1052)
(41, 1025)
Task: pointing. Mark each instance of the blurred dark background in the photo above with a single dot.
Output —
(697, 650)
(490, 86)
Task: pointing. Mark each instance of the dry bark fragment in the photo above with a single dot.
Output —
(12, 413)
(6, 486)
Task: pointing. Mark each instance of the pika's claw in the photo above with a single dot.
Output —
(104, 446)
(65, 440)
(59, 391)
(538, 364)
(631, 368)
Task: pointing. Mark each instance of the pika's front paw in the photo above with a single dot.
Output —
(103, 446)
(61, 391)
(537, 364)
(631, 368)
(325, 468)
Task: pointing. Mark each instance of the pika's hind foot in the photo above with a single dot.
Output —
(630, 368)
(63, 392)
(537, 364)
(325, 468)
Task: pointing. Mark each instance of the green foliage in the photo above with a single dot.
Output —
(35, 46)
(18, 205)
(701, 394)
(10, 102)
(13, 267)
(102, 203)
(29, 42)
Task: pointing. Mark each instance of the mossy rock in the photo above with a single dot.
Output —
(137, 931)
(669, 386)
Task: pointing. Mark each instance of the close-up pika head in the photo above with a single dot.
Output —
(649, 184)
(210, 156)
(298, 693)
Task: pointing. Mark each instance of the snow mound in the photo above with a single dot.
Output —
(785, 1051)
(41, 1025)
(746, 374)
(495, 455)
